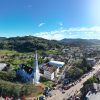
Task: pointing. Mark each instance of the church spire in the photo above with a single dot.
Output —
(36, 70)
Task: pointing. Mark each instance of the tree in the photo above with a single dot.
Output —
(8, 76)
(92, 80)
(74, 73)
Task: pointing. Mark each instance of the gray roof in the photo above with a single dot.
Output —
(93, 96)
(56, 63)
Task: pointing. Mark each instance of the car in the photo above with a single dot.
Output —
(59, 82)
(54, 88)
(63, 92)
(46, 88)
(66, 87)
(42, 98)
(72, 84)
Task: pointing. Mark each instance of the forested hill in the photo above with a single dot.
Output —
(31, 43)
(28, 43)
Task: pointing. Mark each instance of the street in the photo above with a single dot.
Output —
(58, 95)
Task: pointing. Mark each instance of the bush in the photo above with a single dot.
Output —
(74, 73)
(7, 76)
(16, 90)
(92, 80)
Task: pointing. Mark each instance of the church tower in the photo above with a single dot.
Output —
(36, 70)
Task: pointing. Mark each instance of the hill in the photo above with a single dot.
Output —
(28, 44)
(31, 43)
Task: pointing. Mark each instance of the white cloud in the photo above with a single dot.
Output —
(94, 28)
(78, 32)
(41, 24)
(53, 35)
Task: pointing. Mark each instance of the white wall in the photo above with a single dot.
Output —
(49, 75)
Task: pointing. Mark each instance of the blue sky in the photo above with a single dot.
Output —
(50, 19)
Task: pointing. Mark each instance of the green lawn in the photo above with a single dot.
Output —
(5, 52)
(48, 83)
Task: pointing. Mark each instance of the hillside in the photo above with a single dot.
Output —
(31, 43)
(28, 44)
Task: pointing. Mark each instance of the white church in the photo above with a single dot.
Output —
(29, 74)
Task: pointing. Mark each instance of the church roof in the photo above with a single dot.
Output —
(26, 68)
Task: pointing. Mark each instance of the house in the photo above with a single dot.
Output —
(91, 61)
(2, 66)
(49, 71)
(93, 96)
(92, 87)
(93, 92)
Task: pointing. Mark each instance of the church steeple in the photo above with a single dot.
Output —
(36, 70)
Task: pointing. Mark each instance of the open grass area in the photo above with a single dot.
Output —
(52, 51)
(5, 52)
(48, 83)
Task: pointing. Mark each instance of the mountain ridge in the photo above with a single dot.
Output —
(93, 41)
(31, 43)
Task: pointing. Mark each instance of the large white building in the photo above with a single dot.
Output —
(50, 72)
(29, 74)
(51, 69)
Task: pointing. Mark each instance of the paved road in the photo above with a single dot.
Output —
(57, 95)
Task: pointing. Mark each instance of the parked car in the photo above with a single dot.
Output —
(42, 98)
(63, 92)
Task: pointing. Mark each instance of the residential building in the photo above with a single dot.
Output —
(51, 69)
(2, 66)
(93, 91)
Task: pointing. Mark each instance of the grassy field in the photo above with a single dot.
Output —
(6, 52)
(48, 83)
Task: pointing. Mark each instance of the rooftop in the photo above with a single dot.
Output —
(26, 68)
(49, 68)
(56, 63)
(93, 96)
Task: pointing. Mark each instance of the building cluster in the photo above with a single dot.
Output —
(71, 54)
(48, 70)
